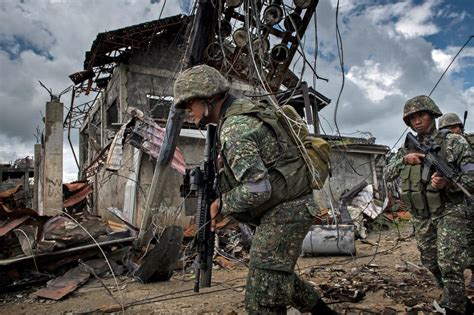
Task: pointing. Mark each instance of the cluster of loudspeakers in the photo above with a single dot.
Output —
(272, 14)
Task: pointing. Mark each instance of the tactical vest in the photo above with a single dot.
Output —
(287, 175)
(423, 199)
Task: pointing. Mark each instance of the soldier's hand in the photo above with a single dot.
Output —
(438, 181)
(413, 158)
(220, 162)
(214, 210)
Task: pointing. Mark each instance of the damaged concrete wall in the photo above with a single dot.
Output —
(147, 74)
(349, 169)
(152, 72)
(112, 186)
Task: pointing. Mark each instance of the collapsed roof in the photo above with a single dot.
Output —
(111, 48)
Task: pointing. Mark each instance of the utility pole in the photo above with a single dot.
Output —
(201, 32)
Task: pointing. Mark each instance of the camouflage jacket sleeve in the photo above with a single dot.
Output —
(242, 138)
(395, 165)
(460, 156)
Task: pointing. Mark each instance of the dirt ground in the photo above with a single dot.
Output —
(385, 277)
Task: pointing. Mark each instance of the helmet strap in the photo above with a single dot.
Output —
(210, 106)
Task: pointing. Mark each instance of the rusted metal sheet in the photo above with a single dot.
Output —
(8, 204)
(12, 224)
(10, 192)
(75, 186)
(65, 231)
(120, 216)
(44, 257)
(79, 196)
(147, 136)
(62, 286)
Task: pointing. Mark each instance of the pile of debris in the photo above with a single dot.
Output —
(231, 248)
(35, 248)
(353, 286)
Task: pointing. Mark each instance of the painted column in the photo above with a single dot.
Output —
(53, 159)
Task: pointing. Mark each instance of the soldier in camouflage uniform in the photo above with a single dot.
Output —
(256, 187)
(452, 122)
(438, 214)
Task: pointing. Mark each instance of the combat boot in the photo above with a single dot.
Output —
(322, 308)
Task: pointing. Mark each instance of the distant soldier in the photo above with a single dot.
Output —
(260, 183)
(452, 122)
(438, 214)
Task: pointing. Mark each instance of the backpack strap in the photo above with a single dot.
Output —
(229, 100)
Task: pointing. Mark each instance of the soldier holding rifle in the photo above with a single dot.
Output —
(437, 205)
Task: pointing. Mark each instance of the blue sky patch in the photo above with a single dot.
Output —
(15, 47)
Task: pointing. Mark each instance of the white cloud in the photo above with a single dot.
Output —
(7, 155)
(376, 82)
(441, 59)
(417, 21)
(385, 62)
(347, 5)
(46, 40)
(468, 99)
(405, 18)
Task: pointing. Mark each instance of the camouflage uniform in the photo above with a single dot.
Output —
(249, 146)
(263, 181)
(441, 232)
(445, 122)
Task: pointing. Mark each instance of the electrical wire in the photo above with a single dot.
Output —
(340, 53)
(454, 58)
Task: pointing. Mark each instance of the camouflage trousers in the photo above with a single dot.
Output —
(272, 284)
(470, 237)
(442, 244)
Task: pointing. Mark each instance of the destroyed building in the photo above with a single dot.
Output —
(18, 175)
(140, 77)
(134, 68)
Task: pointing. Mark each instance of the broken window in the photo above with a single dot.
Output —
(112, 116)
(159, 106)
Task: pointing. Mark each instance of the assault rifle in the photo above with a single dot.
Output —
(199, 182)
(432, 160)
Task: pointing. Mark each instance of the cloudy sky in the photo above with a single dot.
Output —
(393, 50)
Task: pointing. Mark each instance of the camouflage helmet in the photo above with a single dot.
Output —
(449, 120)
(419, 104)
(200, 81)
